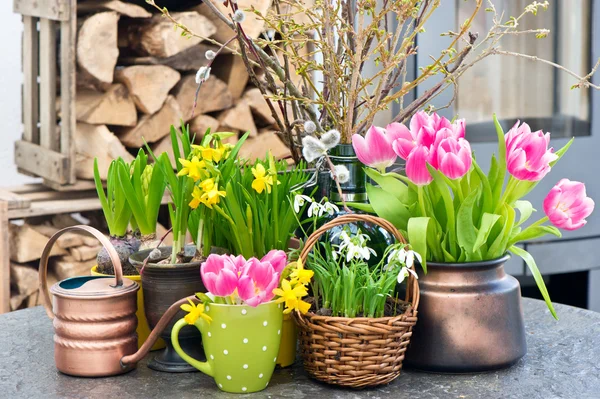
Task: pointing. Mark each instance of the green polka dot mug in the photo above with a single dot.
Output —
(241, 345)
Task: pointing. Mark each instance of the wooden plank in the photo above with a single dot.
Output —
(48, 136)
(4, 259)
(55, 207)
(15, 201)
(79, 185)
(68, 34)
(42, 161)
(57, 10)
(30, 101)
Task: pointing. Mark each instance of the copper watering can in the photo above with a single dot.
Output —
(94, 317)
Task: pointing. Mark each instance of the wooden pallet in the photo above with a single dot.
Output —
(46, 150)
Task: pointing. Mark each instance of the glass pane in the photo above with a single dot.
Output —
(517, 88)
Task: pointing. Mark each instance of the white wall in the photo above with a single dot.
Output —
(10, 94)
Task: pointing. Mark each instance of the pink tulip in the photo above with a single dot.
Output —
(219, 275)
(257, 283)
(239, 262)
(404, 141)
(567, 205)
(375, 149)
(416, 166)
(454, 157)
(277, 258)
(527, 153)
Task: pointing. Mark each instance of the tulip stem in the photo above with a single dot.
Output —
(421, 200)
(539, 222)
(512, 184)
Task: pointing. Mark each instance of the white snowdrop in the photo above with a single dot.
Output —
(300, 200)
(328, 208)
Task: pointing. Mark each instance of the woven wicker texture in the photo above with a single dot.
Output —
(356, 352)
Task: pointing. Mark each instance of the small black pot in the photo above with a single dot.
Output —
(470, 318)
(163, 285)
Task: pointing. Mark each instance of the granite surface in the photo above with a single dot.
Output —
(563, 361)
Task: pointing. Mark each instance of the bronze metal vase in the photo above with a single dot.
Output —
(164, 285)
(470, 318)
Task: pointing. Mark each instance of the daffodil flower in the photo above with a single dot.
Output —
(196, 198)
(212, 197)
(209, 154)
(261, 181)
(300, 274)
(291, 297)
(192, 168)
(194, 312)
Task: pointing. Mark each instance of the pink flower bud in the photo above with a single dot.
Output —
(454, 157)
(527, 153)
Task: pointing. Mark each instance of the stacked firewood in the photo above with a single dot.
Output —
(136, 78)
(73, 254)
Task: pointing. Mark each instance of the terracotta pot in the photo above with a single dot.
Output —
(470, 318)
(143, 329)
(162, 286)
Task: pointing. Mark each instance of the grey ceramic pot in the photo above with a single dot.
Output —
(470, 318)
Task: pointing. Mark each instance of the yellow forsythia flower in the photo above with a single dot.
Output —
(192, 168)
(261, 181)
(291, 297)
(195, 311)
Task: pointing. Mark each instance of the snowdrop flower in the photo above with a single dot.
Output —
(342, 173)
(328, 208)
(300, 200)
(310, 127)
(210, 55)
(404, 274)
(202, 75)
(331, 139)
(312, 148)
(314, 209)
(239, 16)
(404, 257)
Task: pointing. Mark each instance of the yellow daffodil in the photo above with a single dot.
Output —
(291, 297)
(194, 312)
(207, 185)
(300, 274)
(209, 154)
(261, 181)
(192, 168)
(212, 197)
(196, 198)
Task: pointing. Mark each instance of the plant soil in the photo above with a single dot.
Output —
(393, 307)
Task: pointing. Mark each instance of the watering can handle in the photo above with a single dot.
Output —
(114, 257)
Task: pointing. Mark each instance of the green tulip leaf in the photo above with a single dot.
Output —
(499, 180)
(361, 207)
(417, 236)
(393, 186)
(488, 221)
(525, 208)
(388, 206)
(465, 229)
(526, 256)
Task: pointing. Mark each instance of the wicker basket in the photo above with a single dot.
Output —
(356, 352)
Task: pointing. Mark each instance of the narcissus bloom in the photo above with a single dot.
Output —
(291, 297)
(195, 312)
(262, 180)
(567, 205)
(193, 168)
(300, 274)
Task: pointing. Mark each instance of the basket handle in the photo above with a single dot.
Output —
(43, 270)
(412, 291)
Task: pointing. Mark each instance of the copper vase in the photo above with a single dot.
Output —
(162, 286)
(470, 318)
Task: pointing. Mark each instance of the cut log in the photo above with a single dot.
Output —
(258, 106)
(67, 266)
(84, 252)
(257, 147)
(96, 141)
(127, 9)
(201, 123)
(27, 245)
(97, 50)
(187, 60)
(156, 37)
(24, 278)
(239, 118)
(16, 301)
(149, 85)
(253, 26)
(152, 128)
(115, 107)
(214, 95)
(231, 69)
(67, 240)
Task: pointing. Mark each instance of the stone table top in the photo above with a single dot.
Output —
(563, 361)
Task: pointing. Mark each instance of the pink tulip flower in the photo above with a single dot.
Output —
(219, 275)
(454, 157)
(239, 262)
(404, 141)
(416, 166)
(527, 154)
(375, 149)
(277, 258)
(567, 205)
(257, 283)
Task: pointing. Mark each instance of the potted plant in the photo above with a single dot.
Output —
(240, 320)
(353, 330)
(464, 223)
(118, 215)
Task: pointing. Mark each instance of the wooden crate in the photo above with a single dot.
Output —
(47, 150)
